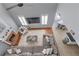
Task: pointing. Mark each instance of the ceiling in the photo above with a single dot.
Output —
(32, 10)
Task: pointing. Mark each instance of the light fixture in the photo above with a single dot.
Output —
(16, 5)
(22, 20)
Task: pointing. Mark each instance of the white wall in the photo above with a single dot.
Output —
(70, 16)
(6, 19)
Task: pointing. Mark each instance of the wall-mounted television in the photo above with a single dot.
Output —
(32, 20)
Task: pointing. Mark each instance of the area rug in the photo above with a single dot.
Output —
(39, 33)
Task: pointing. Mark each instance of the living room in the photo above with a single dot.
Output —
(36, 29)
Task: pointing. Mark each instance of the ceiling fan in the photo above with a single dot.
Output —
(17, 5)
(21, 5)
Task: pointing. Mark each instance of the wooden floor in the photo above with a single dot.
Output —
(64, 50)
(48, 29)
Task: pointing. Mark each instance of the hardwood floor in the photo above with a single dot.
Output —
(48, 29)
(18, 36)
(64, 50)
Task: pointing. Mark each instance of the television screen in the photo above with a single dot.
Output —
(32, 20)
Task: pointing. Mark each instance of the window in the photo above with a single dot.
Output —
(22, 20)
(44, 19)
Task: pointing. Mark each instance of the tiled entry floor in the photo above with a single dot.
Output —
(64, 50)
